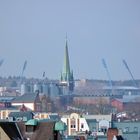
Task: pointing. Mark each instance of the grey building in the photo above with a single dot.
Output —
(130, 130)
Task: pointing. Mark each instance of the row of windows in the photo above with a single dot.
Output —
(127, 129)
(73, 126)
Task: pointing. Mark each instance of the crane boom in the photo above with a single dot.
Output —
(127, 67)
(108, 74)
(1, 62)
(23, 69)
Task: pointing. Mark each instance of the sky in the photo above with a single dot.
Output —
(35, 30)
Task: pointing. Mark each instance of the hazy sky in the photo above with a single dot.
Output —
(35, 30)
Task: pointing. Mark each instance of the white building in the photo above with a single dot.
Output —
(75, 123)
(81, 123)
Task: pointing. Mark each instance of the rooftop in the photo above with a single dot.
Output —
(25, 98)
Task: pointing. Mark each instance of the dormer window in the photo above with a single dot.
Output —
(30, 128)
(31, 125)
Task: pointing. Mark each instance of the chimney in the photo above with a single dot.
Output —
(111, 133)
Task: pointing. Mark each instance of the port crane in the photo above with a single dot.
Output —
(128, 69)
(108, 73)
(23, 69)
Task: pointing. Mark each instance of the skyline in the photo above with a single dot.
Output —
(36, 31)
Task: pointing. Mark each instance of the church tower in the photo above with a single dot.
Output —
(67, 79)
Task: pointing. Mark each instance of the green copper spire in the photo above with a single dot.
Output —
(66, 68)
(67, 75)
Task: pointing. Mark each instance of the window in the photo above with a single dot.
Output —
(94, 129)
(73, 123)
(73, 126)
(19, 119)
(82, 125)
(120, 129)
(127, 129)
(42, 116)
(135, 129)
(24, 119)
(104, 130)
(4, 114)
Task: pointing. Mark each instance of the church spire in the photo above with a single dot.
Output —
(66, 67)
(67, 75)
